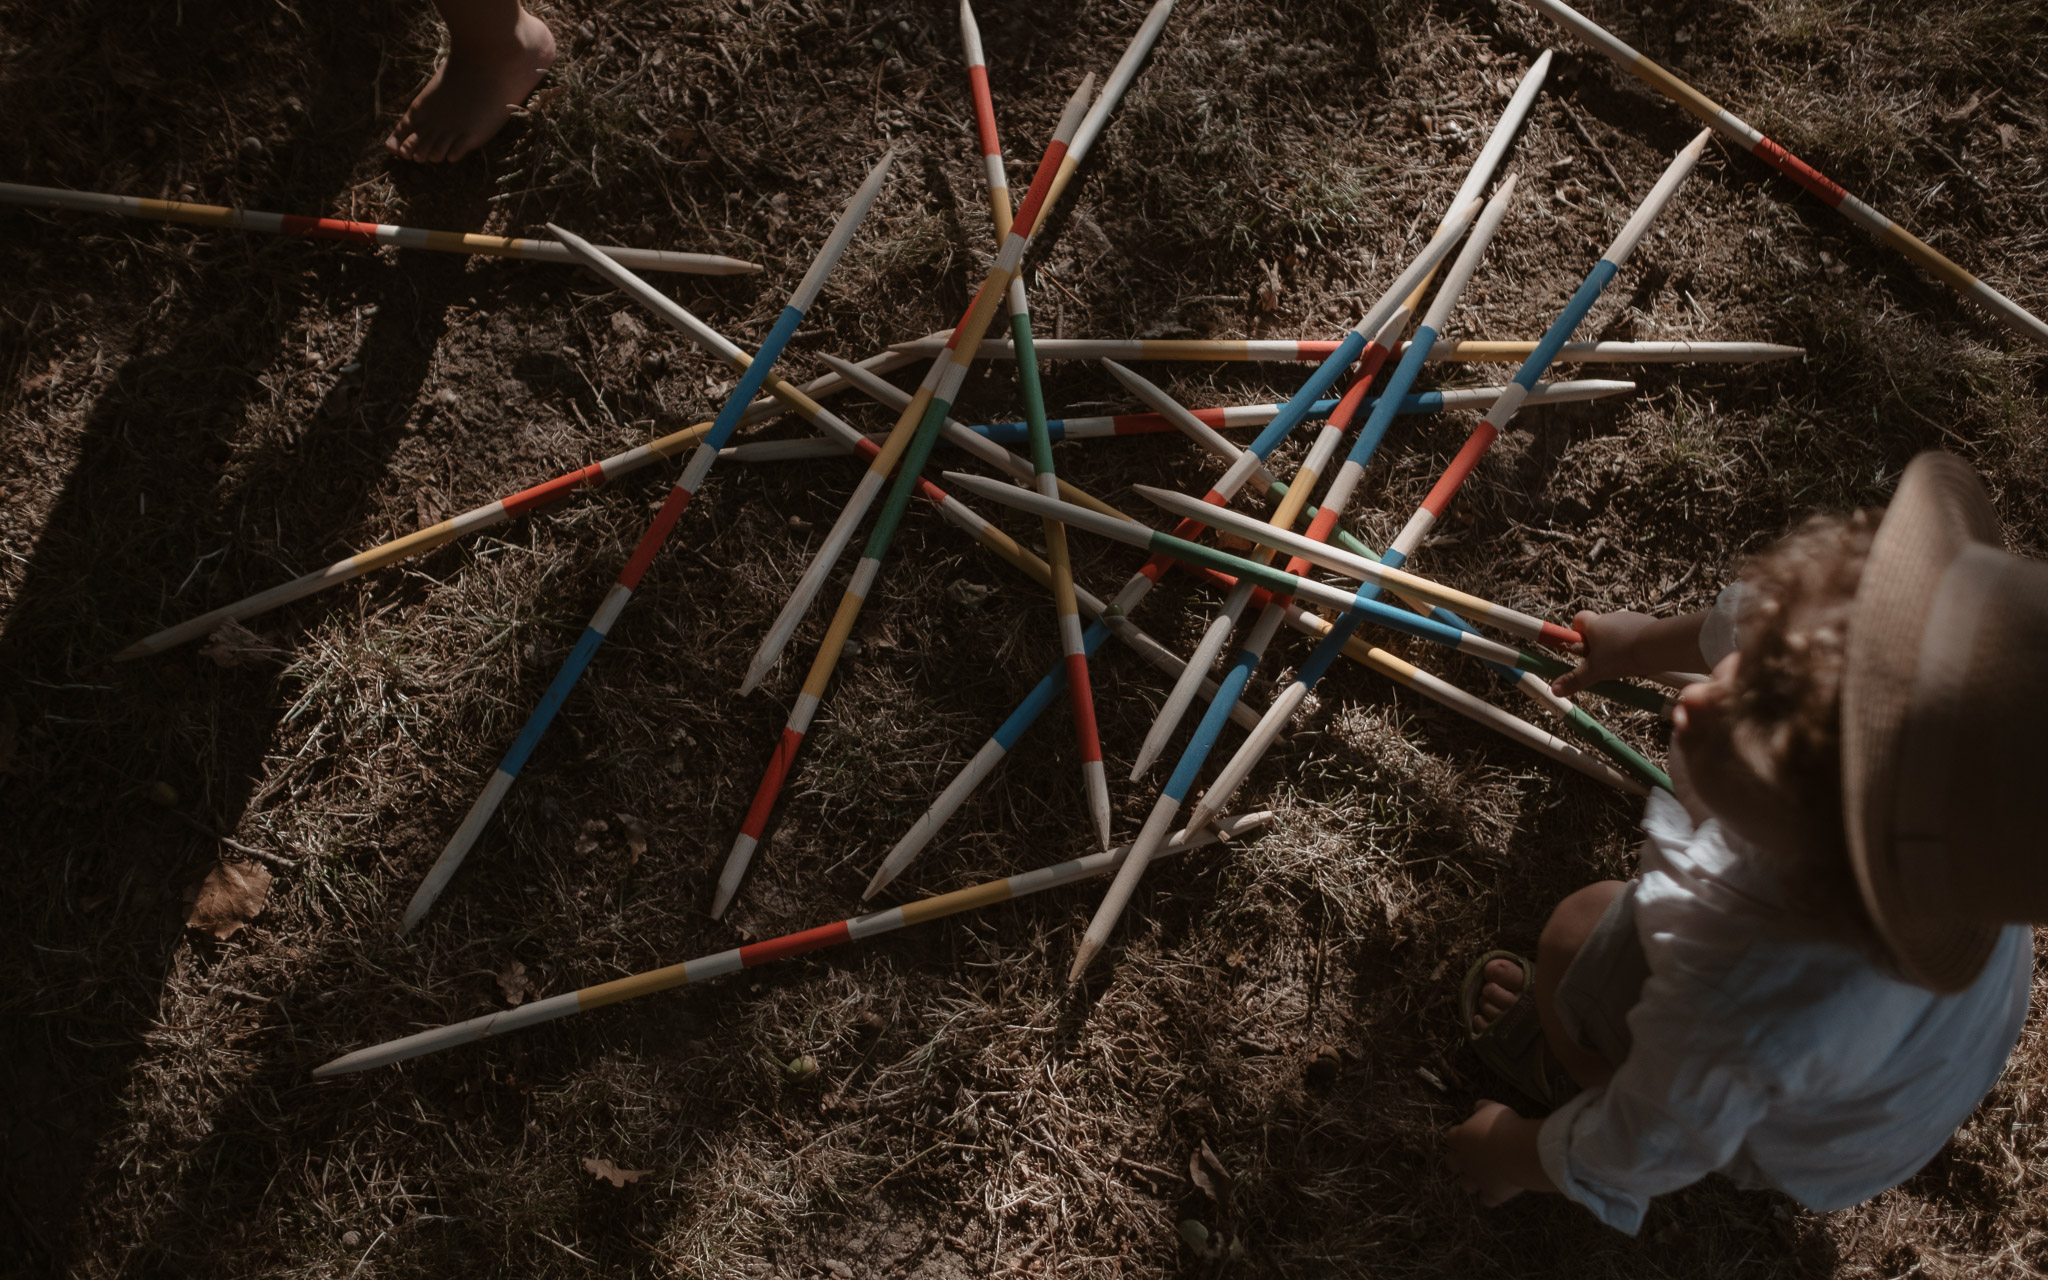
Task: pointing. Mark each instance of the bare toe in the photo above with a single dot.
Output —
(1505, 974)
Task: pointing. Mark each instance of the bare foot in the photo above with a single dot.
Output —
(1503, 987)
(473, 93)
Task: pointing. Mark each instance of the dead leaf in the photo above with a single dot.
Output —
(517, 985)
(1208, 1174)
(45, 382)
(232, 895)
(586, 840)
(233, 645)
(605, 1171)
(636, 837)
(1269, 287)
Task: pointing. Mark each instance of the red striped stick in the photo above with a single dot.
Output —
(1742, 134)
(370, 233)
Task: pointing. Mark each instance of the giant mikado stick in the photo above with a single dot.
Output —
(651, 541)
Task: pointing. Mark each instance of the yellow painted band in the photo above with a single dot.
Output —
(1296, 498)
(179, 211)
(980, 316)
(1699, 104)
(999, 211)
(1927, 256)
(1062, 568)
(463, 242)
(948, 904)
(900, 434)
(835, 640)
(410, 545)
(677, 441)
(640, 984)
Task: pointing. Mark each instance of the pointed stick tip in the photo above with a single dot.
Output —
(140, 649)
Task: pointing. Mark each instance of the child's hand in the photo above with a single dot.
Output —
(1610, 650)
(1488, 1153)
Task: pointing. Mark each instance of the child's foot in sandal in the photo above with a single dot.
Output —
(1498, 1006)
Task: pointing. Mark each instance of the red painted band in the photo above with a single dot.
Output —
(795, 944)
(1799, 171)
(1041, 182)
(657, 533)
(1320, 528)
(1461, 466)
(1083, 699)
(329, 229)
(771, 784)
(984, 110)
(542, 494)
(1561, 635)
(1143, 424)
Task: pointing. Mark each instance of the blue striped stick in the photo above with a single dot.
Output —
(1231, 686)
(1289, 415)
(1425, 517)
(699, 466)
(1477, 176)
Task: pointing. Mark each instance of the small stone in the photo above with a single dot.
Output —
(446, 397)
(350, 1239)
(839, 1269)
(253, 148)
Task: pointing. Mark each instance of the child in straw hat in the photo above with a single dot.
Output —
(1820, 970)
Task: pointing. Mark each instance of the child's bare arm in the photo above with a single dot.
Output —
(1631, 644)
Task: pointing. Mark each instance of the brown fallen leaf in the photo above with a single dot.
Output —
(1208, 1174)
(232, 645)
(232, 895)
(517, 985)
(604, 1170)
(636, 837)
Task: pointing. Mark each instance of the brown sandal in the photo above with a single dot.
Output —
(1512, 1046)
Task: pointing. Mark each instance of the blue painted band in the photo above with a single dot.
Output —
(1228, 690)
(1560, 330)
(1047, 691)
(551, 701)
(728, 420)
(1392, 397)
(1297, 409)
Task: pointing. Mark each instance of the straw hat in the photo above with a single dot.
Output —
(1944, 699)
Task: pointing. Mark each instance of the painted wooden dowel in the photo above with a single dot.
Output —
(1282, 351)
(1742, 134)
(857, 929)
(1111, 426)
(492, 514)
(998, 183)
(1066, 614)
(1419, 525)
(1357, 650)
(650, 543)
(370, 233)
(1278, 531)
(926, 411)
(1364, 345)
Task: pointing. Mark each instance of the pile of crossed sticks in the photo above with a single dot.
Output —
(1329, 612)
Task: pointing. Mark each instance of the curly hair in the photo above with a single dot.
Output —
(1794, 628)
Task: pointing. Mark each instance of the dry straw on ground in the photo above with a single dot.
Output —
(186, 416)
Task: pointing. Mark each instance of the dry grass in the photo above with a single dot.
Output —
(187, 416)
